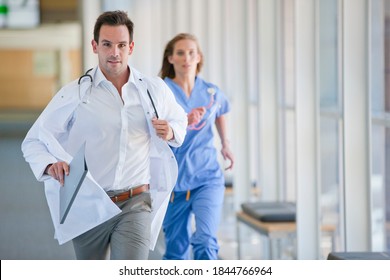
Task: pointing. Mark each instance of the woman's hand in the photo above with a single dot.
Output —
(196, 114)
(227, 154)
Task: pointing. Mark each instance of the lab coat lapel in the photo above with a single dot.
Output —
(163, 166)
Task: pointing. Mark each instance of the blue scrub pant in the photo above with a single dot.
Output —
(206, 204)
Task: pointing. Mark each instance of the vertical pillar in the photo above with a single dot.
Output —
(267, 101)
(356, 125)
(89, 11)
(307, 131)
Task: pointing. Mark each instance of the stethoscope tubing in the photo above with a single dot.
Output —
(91, 80)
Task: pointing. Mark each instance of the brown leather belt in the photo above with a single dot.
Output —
(130, 193)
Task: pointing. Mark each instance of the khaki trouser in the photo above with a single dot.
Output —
(126, 236)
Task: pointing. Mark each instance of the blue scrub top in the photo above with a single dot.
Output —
(197, 156)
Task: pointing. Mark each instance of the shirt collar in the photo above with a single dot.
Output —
(99, 77)
(131, 78)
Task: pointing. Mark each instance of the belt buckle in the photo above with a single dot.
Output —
(131, 193)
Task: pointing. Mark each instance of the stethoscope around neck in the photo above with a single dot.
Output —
(87, 75)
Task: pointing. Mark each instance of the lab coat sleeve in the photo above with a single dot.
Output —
(41, 145)
(175, 115)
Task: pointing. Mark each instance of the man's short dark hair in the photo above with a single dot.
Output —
(113, 18)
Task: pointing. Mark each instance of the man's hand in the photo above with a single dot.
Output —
(57, 171)
(163, 130)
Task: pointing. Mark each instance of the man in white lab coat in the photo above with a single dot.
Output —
(126, 121)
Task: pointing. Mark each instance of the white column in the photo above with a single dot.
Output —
(307, 131)
(356, 125)
(267, 101)
(89, 10)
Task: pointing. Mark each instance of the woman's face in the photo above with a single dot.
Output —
(185, 57)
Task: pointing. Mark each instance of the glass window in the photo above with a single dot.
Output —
(380, 133)
(289, 193)
(287, 99)
(330, 127)
(380, 136)
(288, 54)
(331, 186)
(329, 94)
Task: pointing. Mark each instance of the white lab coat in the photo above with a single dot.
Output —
(44, 144)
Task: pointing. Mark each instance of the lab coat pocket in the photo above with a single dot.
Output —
(158, 180)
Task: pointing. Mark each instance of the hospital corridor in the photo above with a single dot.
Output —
(308, 85)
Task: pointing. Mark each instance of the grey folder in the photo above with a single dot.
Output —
(72, 183)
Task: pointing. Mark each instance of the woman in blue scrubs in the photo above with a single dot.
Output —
(200, 187)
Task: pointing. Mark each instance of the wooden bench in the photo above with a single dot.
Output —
(273, 231)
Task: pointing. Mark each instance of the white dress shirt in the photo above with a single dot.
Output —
(119, 137)
(116, 135)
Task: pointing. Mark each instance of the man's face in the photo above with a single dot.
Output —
(113, 50)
